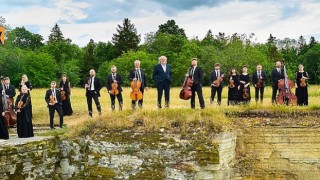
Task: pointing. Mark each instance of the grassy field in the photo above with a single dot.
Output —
(177, 106)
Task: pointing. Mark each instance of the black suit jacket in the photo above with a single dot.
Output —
(49, 93)
(197, 75)
(11, 92)
(133, 74)
(255, 78)
(214, 77)
(97, 85)
(160, 76)
(109, 82)
(275, 77)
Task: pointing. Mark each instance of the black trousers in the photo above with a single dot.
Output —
(163, 86)
(92, 95)
(140, 102)
(57, 107)
(259, 91)
(197, 88)
(274, 93)
(214, 91)
(113, 100)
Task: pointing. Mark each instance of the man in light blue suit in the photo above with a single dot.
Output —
(163, 78)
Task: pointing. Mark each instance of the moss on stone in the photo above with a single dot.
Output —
(94, 172)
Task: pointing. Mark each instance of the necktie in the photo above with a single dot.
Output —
(139, 75)
(7, 86)
(113, 76)
(91, 84)
(259, 74)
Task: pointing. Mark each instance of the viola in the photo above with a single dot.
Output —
(185, 92)
(20, 104)
(136, 94)
(114, 89)
(245, 94)
(52, 99)
(231, 83)
(259, 83)
(63, 95)
(285, 96)
(217, 82)
(303, 82)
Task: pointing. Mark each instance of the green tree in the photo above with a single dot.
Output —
(104, 52)
(89, 60)
(170, 27)
(273, 53)
(25, 40)
(126, 38)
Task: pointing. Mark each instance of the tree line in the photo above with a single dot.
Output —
(27, 53)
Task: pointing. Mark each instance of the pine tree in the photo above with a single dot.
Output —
(56, 34)
(126, 38)
(89, 61)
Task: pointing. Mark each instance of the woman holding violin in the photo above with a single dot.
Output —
(138, 80)
(113, 83)
(25, 81)
(24, 119)
(65, 93)
(233, 83)
(258, 80)
(301, 86)
(244, 87)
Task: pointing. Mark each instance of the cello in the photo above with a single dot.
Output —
(185, 92)
(285, 96)
(9, 114)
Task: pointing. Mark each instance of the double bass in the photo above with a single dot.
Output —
(285, 96)
(185, 92)
(9, 114)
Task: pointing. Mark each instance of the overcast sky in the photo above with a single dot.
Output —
(82, 20)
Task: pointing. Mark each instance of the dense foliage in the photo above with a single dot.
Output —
(27, 53)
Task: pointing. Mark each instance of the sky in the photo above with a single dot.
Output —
(82, 20)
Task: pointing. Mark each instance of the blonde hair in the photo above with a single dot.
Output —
(26, 77)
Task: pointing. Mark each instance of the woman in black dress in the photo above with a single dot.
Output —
(65, 87)
(25, 81)
(245, 96)
(301, 86)
(24, 119)
(233, 83)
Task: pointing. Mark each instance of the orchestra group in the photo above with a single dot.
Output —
(19, 112)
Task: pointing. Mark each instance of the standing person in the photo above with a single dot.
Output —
(216, 79)
(137, 74)
(3, 124)
(114, 82)
(301, 86)
(196, 73)
(24, 119)
(65, 89)
(244, 79)
(25, 81)
(276, 75)
(259, 81)
(93, 87)
(53, 100)
(233, 91)
(162, 77)
(9, 89)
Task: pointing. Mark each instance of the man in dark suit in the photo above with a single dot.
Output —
(93, 86)
(259, 81)
(214, 87)
(276, 75)
(196, 73)
(9, 89)
(163, 78)
(137, 74)
(116, 80)
(54, 102)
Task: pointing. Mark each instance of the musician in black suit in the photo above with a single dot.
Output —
(276, 75)
(9, 89)
(163, 78)
(259, 79)
(54, 102)
(93, 87)
(196, 73)
(216, 89)
(138, 74)
(117, 79)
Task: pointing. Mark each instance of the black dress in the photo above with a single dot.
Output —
(29, 86)
(3, 125)
(301, 92)
(66, 104)
(24, 119)
(233, 93)
(246, 79)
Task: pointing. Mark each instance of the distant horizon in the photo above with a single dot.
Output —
(81, 20)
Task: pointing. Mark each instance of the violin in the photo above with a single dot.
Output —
(135, 94)
(231, 83)
(303, 82)
(20, 104)
(259, 83)
(285, 95)
(63, 95)
(185, 92)
(217, 82)
(245, 94)
(114, 89)
(52, 99)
